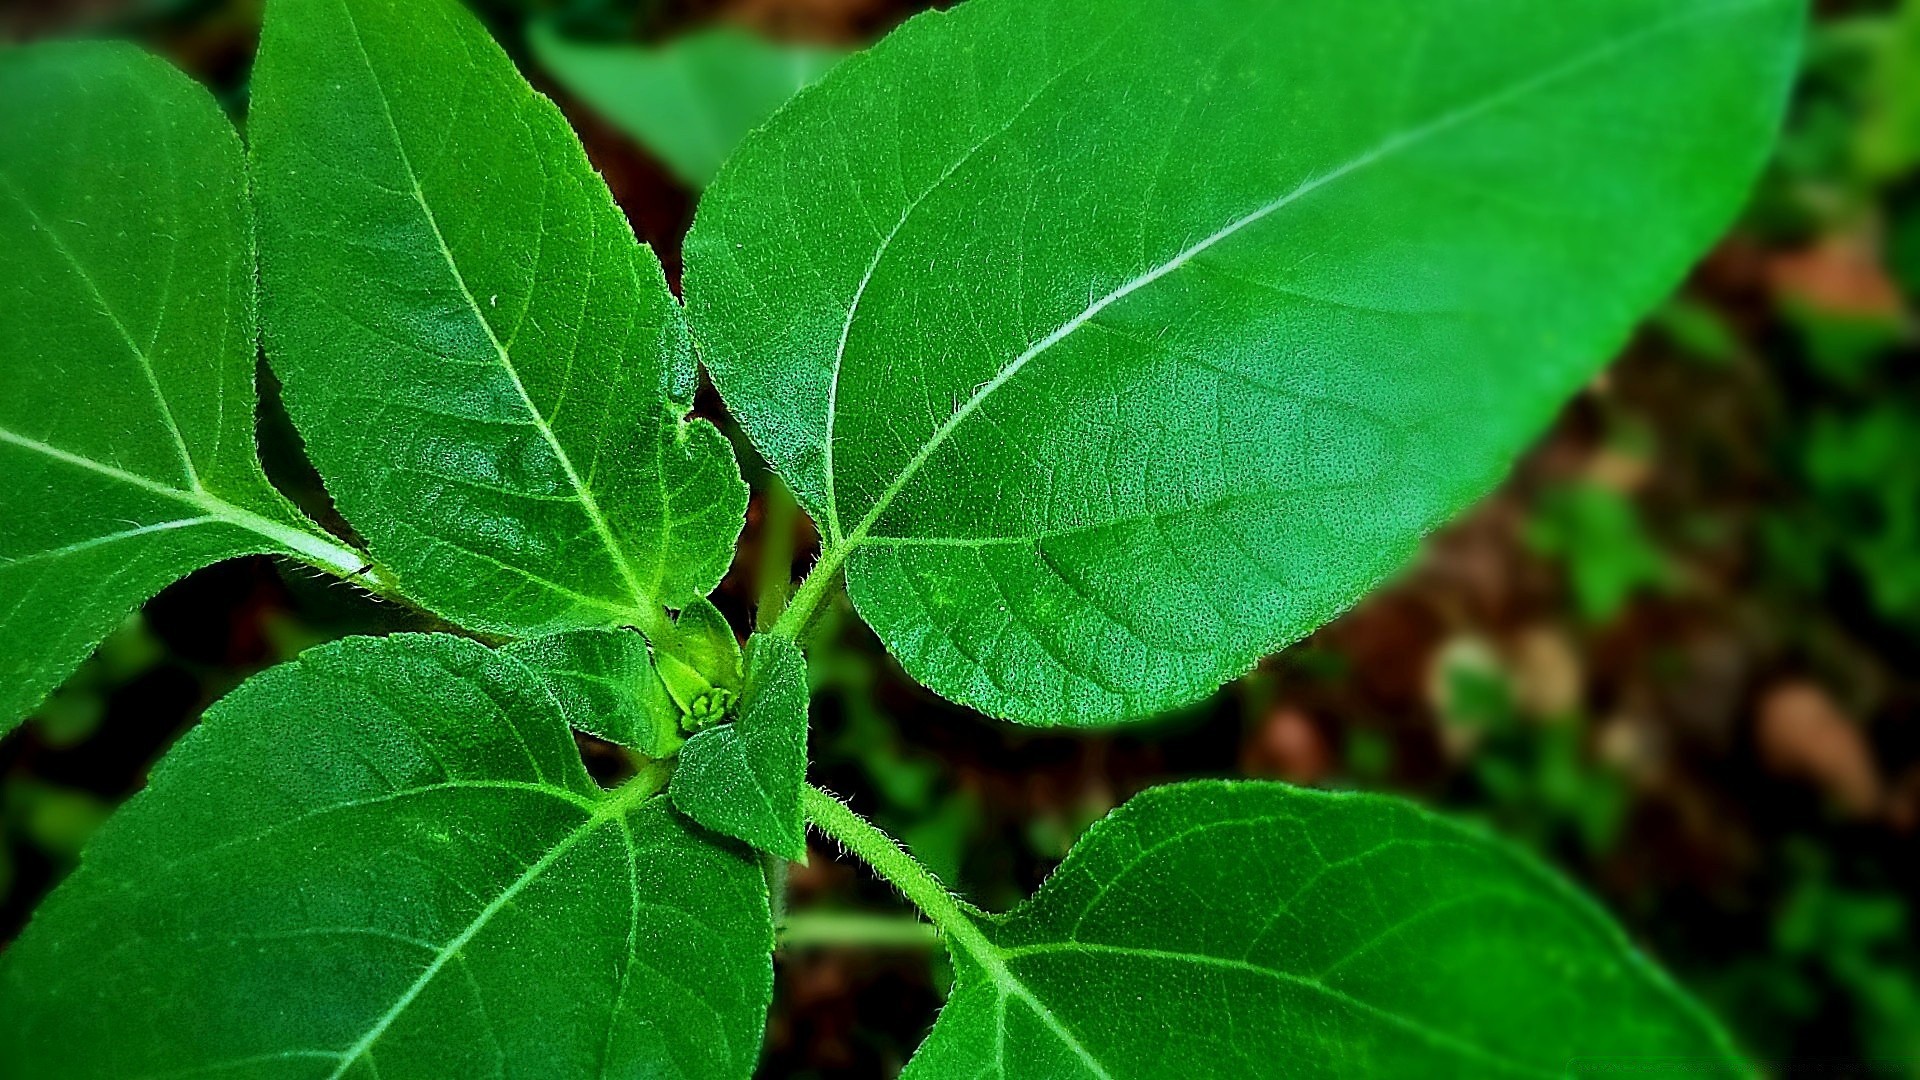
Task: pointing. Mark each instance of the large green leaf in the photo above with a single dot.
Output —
(743, 779)
(690, 101)
(385, 860)
(1116, 343)
(1236, 930)
(127, 339)
(489, 371)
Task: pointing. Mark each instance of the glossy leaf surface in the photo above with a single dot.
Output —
(385, 860)
(1234, 930)
(743, 779)
(489, 371)
(690, 101)
(1114, 344)
(127, 344)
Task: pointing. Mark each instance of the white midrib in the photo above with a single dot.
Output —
(960, 930)
(1386, 148)
(330, 556)
(610, 810)
(834, 535)
(642, 598)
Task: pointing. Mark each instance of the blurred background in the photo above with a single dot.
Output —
(1675, 654)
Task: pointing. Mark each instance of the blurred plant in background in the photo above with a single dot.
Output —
(1675, 654)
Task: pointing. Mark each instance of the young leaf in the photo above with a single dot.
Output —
(703, 638)
(126, 323)
(690, 101)
(1232, 930)
(743, 779)
(1114, 344)
(385, 859)
(605, 685)
(489, 371)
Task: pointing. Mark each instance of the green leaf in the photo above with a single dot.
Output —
(1114, 344)
(703, 638)
(127, 337)
(1232, 930)
(385, 860)
(689, 101)
(605, 685)
(743, 779)
(489, 371)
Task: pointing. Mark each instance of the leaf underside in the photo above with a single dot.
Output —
(1236, 930)
(127, 326)
(488, 370)
(1114, 345)
(384, 860)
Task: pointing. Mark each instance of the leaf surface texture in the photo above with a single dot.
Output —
(384, 860)
(489, 371)
(1114, 344)
(127, 327)
(1235, 930)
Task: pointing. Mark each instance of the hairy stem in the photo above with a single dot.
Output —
(856, 930)
(819, 584)
(775, 571)
(889, 860)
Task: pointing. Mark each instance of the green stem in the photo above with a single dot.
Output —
(890, 861)
(855, 930)
(819, 583)
(646, 783)
(774, 869)
(780, 515)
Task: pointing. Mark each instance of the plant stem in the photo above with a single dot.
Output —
(820, 581)
(856, 930)
(889, 860)
(775, 572)
(774, 869)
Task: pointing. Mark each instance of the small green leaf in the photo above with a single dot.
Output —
(690, 101)
(605, 685)
(1234, 930)
(489, 371)
(743, 779)
(127, 336)
(1114, 344)
(703, 638)
(386, 860)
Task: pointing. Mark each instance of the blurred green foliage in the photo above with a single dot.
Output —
(1598, 534)
(1532, 777)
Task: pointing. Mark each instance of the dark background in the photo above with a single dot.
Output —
(1675, 654)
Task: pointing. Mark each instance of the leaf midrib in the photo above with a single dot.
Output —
(834, 534)
(1382, 150)
(323, 552)
(642, 600)
(613, 809)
